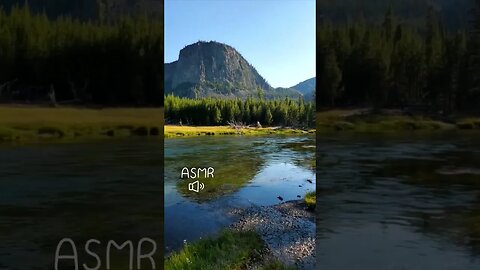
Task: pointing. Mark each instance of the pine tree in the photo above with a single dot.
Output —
(81, 59)
(217, 116)
(329, 79)
(268, 117)
(474, 49)
(388, 24)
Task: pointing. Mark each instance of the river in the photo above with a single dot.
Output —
(105, 190)
(249, 170)
(408, 201)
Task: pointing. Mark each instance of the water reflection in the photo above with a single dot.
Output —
(407, 202)
(108, 190)
(248, 170)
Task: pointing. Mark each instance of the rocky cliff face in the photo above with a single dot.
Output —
(212, 69)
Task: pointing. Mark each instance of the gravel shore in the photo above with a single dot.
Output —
(288, 230)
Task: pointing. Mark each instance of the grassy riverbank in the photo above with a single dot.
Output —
(364, 121)
(181, 131)
(33, 123)
(28, 123)
(229, 250)
(342, 120)
(311, 199)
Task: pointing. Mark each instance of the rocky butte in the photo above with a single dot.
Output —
(213, 69)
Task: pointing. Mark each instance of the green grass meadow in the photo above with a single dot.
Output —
(26, 123)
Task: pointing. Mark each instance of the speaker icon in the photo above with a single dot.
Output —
(196, 186)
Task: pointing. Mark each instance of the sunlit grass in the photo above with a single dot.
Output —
(18, 123)
(229, 250)
(311, 199)
(175, 131)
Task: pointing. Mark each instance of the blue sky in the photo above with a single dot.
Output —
(276, 36)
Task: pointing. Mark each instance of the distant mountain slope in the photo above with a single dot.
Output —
(213, 69)
(307, 88)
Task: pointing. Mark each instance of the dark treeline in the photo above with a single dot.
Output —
(211, 111)
(82, 9)
(90, 9)
(86, 62)
(391, 64)
(412, 12)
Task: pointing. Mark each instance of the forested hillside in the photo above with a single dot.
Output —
(65, 60)
(391, 63)
(89, 9)
(452, 12)
(214, 111)
(307, 88)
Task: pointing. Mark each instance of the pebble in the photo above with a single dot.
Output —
(287, 229)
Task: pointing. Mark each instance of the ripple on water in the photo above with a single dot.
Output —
(399, 203)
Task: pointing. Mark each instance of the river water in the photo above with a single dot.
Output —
(398, 201)
(105, 190)
(384, 201)
(249, 170)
